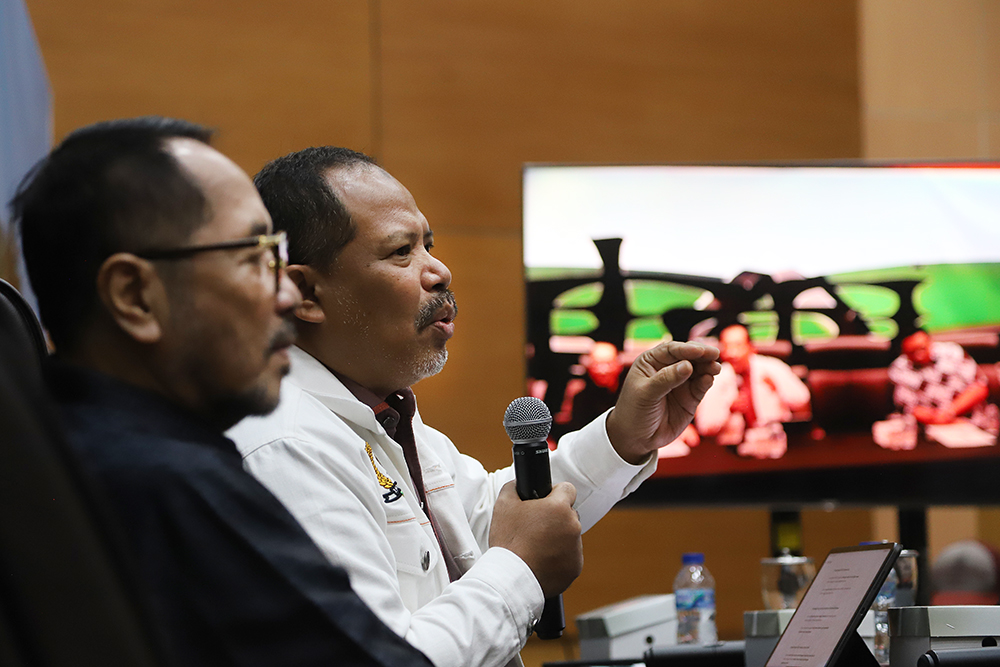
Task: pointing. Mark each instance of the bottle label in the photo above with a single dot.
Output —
(706, 627)
(694, 598)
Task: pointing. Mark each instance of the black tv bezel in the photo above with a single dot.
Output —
(967, 482)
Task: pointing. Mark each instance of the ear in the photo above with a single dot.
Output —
(133, 295)
(305, 278)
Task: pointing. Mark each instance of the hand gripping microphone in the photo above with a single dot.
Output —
(527, 422)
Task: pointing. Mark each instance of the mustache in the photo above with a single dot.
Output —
(428, 314)
(284, 336)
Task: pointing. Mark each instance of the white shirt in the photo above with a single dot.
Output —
(774, 386)
(311, 453)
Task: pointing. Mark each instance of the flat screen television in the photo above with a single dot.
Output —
(867, 295)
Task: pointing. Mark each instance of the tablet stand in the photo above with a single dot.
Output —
(856, 654)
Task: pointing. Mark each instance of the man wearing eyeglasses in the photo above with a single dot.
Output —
(162, 289)
(443, 551)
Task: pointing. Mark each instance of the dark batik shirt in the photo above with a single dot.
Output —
(233, 578)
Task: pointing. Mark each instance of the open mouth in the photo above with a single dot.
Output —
(446, 315)
(443, 321)
(442, 311)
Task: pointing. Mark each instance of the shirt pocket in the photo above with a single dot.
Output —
(446, 505)
(410, 540)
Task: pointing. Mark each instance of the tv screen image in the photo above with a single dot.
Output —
(857, 308)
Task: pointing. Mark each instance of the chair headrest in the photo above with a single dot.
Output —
(17, 318)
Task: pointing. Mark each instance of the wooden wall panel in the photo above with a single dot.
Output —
(472, 90)
(822, 530)
(638, 551)
(930, 78)
(273, 79)
(989, 527)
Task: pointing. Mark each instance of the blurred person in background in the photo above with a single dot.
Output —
(935, 383)
(966, 573)
(750, 399)
(593, 392)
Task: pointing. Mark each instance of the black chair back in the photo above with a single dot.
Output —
(17, 318)
(67, 595)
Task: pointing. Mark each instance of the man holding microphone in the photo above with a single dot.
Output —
(443, 551)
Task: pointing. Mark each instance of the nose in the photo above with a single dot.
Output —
(288, 297)
(436, 275)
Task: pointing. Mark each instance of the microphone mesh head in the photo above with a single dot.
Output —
(527, 419)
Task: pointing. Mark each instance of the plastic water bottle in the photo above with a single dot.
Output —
(694, 595)
(886, 598)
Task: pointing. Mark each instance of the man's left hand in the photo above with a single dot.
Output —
(659, 397)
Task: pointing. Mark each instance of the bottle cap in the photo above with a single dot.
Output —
(786, 560)
(693, 559)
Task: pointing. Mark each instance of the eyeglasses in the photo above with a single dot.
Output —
(276, 243)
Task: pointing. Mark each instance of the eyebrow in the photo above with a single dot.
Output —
(397, 237)
(259, 228)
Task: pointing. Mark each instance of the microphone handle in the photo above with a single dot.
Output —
(533, 478)
(532, 474)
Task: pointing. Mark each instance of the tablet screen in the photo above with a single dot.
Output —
(831, 610)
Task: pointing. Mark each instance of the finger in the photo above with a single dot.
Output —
(700, 386)
(707, 368)
(566, 491)
(693, 351)
(507, 490)
(669, 378)
(670, 352)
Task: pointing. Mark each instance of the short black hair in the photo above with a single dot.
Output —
(299, 198)
(106, 188)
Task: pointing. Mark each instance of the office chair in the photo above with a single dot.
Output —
(66, 591)
(19, 319)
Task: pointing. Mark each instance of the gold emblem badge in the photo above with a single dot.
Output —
(393, 492)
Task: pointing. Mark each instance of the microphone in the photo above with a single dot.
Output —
(527, 421)
(965, 657)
